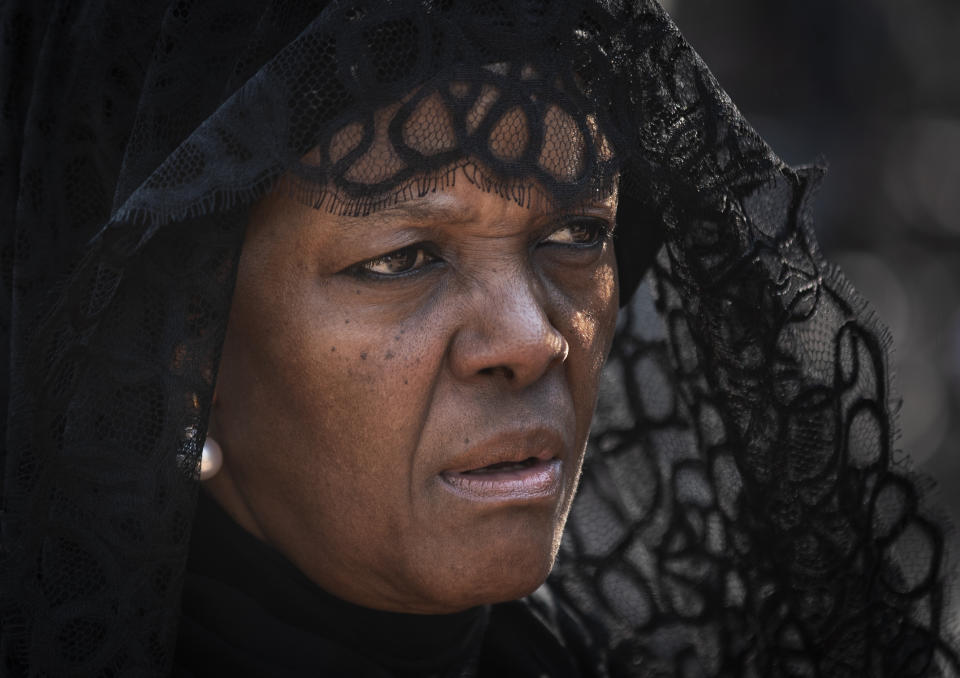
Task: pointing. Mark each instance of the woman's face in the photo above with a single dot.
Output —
(404, 398)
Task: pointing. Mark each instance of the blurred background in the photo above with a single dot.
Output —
(872, 87)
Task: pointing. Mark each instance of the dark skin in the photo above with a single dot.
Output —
(351, 382)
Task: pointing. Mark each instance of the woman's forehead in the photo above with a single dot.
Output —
(463, 202)
(429, 127)
(454, 209)
(518, 134)
(449, 207)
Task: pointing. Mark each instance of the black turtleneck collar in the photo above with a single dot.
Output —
(249, 612)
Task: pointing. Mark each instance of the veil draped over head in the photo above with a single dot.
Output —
(743, 510)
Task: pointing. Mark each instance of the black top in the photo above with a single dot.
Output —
(247, 611)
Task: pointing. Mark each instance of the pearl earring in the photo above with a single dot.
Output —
(211, 460)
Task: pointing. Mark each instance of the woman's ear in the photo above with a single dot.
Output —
(211, 417)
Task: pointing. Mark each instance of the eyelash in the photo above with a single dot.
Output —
(421, 252)
(600, 233)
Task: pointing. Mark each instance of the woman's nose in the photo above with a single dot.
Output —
(507, 331)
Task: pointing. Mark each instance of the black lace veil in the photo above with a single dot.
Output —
(743, 511)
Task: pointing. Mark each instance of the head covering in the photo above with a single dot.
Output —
(742, 510)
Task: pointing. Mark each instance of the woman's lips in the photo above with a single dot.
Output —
(528, 480)
(515, 466)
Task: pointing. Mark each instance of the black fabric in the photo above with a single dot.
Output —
(248, 612)
(743, 510)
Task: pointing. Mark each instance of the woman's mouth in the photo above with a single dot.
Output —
(531, 479)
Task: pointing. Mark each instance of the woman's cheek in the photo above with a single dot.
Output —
(590, 313)
(610, 304)
(375, 378)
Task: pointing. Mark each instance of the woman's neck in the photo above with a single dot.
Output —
(224, 552)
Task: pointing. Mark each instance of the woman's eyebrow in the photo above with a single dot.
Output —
(582, 209)
(430, 211)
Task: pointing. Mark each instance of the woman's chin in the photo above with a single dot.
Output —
(492, 575)
(482, 593)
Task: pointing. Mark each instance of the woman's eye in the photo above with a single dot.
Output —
(583, 233)
(397, 263)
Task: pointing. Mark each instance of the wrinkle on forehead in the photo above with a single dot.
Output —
(448, 207)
